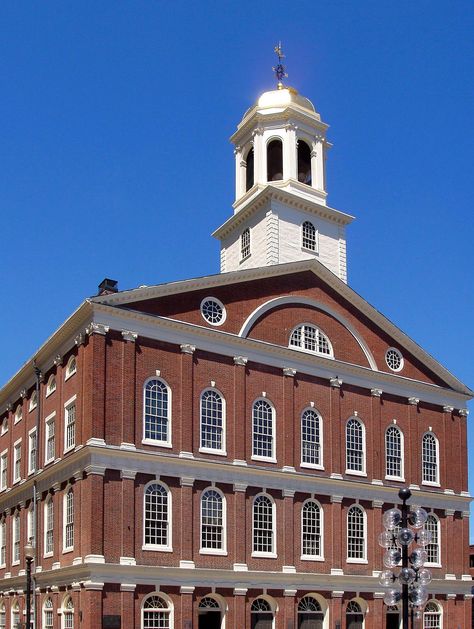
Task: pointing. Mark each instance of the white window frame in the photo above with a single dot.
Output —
(435, 564)
(46, 610)
(18, 414)
(428, 482)
(16, 537)
(16, 478)
(168, 547)
(51, 419)
(320, 556)
(259, 457)
(214, 551)
(439, 612)
(68, 492)
(301, 348)
(361, 560)
(49, 387)
(70, 371)
(30, 525)
(46, 530)
(4, 470)
(273, 552)
(157, 442)
(315, 251)
(220, 451)
(245, 250)
(363, 471)
(3, 616)
(33, 401)
(221, 306)
(3, 542)
(4, 428)
(314, 466)
(166, 599)
(67, 405)
(32, 433)
(401, 477)
(65, 611)
(15, 610)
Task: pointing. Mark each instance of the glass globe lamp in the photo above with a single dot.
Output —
(392, 558)
(418, 596)
(405, 536)
(386, 539)
(406, 575)
(418, 517)
(424, 576)
(418, 557)
(386, 578)
(424, 537)
(392, 518)
(392, 597)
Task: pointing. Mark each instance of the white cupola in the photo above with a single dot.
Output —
(280, 210)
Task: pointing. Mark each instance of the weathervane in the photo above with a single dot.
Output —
(279, 70)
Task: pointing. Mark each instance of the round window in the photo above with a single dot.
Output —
(213, 311)
(394, 359)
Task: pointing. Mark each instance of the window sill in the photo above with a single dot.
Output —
(159, 549)
(211, 451)
(268, 459)
(46, 555)
(308, 250)
(209, 551)
(356, 473)
(16, 563)
(397, 479)
(312, 466)
(16, 481)
(68, 550)
(360, 561)
(160, 444)
(48, 462)
(242, 260)
(433, 565)
(49, 393)
(32, 408)
(256, 553)
(69, 375)
(311, 558)
(70, 449)
(428, 483)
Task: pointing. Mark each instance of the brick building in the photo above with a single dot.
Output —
(218, 452)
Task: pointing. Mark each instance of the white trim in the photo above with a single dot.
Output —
(47, 502)
(166, 598)
(68, 372)
(18, 414)
(159, 547)
(307, 301)
(314, 251)
(401, 477)
(63, 610)
(363, 471)
(4, 457)
(435, 483)
(33, 403)
(49, 390)
(435, 564)
(362, 560)
(30, 433)
(319, 557)
(400, 356)
(68, 490)
(16, 515)
(47, 420)
(16, 459)
(219, 303)
(148, 440)
(273, 552)
(259, 457)
(303, 325)
(314, 466)
(221, 451)
(66, 407)
(212, 551)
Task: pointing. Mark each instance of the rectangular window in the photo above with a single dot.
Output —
(3, 543)
(16, 538)
(70, 426)
(17, 462)
(48, 527)
(48, 619)
(4, 470)
(68, 515)
(50, 442)
(32, 447)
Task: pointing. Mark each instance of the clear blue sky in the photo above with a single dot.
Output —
(115, 161)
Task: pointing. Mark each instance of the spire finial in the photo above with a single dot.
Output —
(279, 70)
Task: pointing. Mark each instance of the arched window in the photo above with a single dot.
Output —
(393, 453)
(15, 615)
(249, 170)
(51, 386)
(212, 421)
(210, 612)
(245, 244)
(157, 515)
(311, 442)
(68, 519)
(355, 446)
(262, 614)
(3, 616)
(263, 525)
(432, 616)
(71, 367)
(156, 421)
(310, 613)
(3, 542)
(16, 538)
(48, 616)
(354, 616)
(430, 467)
(393, 617)
(33, 401)
(212, 521)
(311, 530)
(18, 414)
(433, 549)
(311, 339)
(356, 534)
(309, 236)
(157, 612)
(49, 526)
(263, 442)
(68, 614)
(304, 163)
(275, 160)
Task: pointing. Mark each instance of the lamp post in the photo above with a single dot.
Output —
(29, 555)
(411, 576)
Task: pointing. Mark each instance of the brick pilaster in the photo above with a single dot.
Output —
(239, 409)
(187, 424)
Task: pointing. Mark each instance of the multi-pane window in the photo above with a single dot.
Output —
(3, 616)
(432, 616)
(30, 526)
(17, 462)
(311, 438)
(310, 338)
(50, 439)
(263, 429)
(156, 613)
(68, 515)
(262, 613)
(48, 616)
(432, 525)
(49, 526)
(263, 525)
(33, 401)
(16, 538)
(245, 244)
(355, 446)
(311, 529)
(70, 426)
(393, 452)
(3, 542)
(18, 415)
(355, 533)
(157, 515)
(430, 459)
(68, 614)
(71, 367)
(4, 470)
(16, 616)
(157, 410)
(212, 521)
(309, 236)
(32, 449)
(51, 386)
(212, 421)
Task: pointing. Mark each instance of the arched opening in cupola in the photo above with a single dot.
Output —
(275, 160)
(304, 163)
(249, 170)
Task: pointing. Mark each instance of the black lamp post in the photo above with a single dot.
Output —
(29, 555)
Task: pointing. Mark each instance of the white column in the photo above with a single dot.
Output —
(238, 172)
(317, 163)
(260, 157)
(290, 161)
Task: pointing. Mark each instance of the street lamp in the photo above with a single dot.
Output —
(404, 527)
(29, 556)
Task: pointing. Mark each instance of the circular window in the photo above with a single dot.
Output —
(394, 359)
(213, 311)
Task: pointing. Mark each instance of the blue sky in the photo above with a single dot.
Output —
(115, 160)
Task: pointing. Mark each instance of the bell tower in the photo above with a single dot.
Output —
(280, 209)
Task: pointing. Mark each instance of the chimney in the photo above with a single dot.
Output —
(108, 286)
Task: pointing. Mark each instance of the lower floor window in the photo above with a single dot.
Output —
(156, 613)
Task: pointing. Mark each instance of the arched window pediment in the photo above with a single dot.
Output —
(157, 412)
